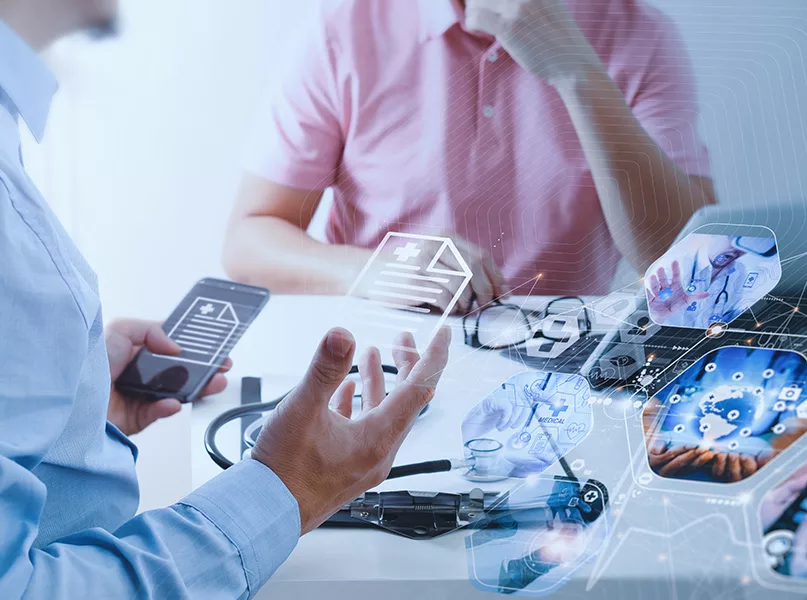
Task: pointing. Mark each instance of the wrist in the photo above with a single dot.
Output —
(296, 486)
(575, 80)
(353, 261)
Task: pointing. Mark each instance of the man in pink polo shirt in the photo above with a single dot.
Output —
(549, 138)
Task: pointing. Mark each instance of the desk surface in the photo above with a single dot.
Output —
(644, 561)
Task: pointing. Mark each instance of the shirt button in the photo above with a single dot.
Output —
(493, 56)
(488, 112)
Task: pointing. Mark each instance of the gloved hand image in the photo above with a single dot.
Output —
(526, 424)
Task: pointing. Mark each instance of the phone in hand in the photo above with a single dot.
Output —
(206, 325)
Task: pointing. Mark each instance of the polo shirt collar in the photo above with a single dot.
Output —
(437, 17)
(26, 83)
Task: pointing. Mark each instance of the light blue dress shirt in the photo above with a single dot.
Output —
(68, 491)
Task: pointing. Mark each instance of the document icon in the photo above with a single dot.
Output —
(406, 275)
(204, 331)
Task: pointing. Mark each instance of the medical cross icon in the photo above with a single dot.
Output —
(411, 250)
(558, 408)
(207, 309)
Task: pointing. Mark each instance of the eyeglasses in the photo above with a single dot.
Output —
(500, 326)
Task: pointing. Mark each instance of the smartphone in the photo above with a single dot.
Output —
(206, 325)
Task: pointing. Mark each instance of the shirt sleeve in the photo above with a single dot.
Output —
(223, 541)
(298, 136)
(666, 101)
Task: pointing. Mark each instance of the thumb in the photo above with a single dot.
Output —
(161, 409)
(328, 369)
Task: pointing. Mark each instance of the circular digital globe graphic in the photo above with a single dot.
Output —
(727, 411)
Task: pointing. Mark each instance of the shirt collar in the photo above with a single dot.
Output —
(437, 17)
(25, 80)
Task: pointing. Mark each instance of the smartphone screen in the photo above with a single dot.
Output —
(206, 325)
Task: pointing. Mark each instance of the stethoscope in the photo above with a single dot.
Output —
(417, 515)
(721, 300)
(255, 408)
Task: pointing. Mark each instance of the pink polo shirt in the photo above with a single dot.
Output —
(420, 126)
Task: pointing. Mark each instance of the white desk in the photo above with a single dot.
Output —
(354, 564)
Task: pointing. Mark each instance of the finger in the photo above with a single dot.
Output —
(484, 20)
(216, 385)
(407, 400)
(373, 388)
(475, 260)
(329, 367)
(465, 302)
(342, 401)
(519, 417)
(655, 287)
(405, 355)
(735, 472)
(662, 278)
(705, 457)
(748, 466)
(678, 451)
(675, 466)
(507, 414)
(161, 409)
(146, 333)
(719, 466)
(226, 365)
(676, 275)
(440, 294)
(495, 277)
(479, 285)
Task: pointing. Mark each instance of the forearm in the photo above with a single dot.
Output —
(223, 541)
(645, 197)
(273, 253)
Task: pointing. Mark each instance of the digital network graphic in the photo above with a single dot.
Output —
(685, 421)
(539, 537)
(697, 432)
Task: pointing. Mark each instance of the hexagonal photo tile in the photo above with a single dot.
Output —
(727, 416)
(783, 517)
(709, 279)
(526, 424)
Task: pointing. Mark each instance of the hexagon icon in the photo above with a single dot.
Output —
(526, 424)
(723, 419)
(539, 537)
(710, 278)
(783, 519)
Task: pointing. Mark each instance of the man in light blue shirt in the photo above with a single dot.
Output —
(68, 492)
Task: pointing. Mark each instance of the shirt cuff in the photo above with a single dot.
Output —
(250, 505)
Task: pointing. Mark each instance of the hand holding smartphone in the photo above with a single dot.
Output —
(207, 324)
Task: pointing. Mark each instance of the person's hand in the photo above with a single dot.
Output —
(487, 282)
(124, 339)
(733, 467)
(676, 461)
(496, 411)
(541, 36)
(666, 298)
(323, 456)
(775, 502)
